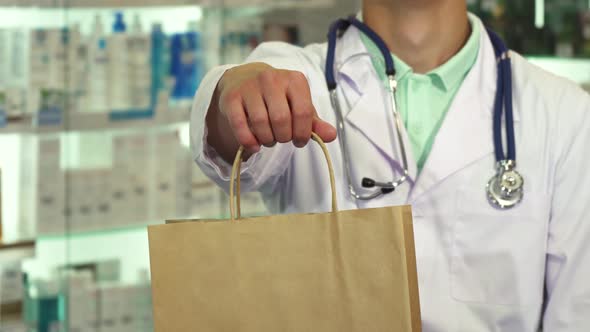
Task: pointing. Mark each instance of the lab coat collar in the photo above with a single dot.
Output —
(368, 109)
(353, 63)
(466, 133)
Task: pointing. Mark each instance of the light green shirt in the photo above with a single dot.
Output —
(424, 99)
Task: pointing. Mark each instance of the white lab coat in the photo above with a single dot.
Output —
(479, 268)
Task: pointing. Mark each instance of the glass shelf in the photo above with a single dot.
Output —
(13, 252)
(68, 4)
(82, 122)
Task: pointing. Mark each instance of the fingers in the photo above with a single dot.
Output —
(272, 85)
(258, 118)
(272, 106)
(302, 110)
(326, 131)
(238, 121)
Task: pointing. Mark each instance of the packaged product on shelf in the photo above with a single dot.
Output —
(14, 105)
(138, 154)
(120, 188)
(59, 51)
(13, 57)
(184, 164)
(111, 308)
(40, 61)
(165, 180)
(77, 70)
(118, 73)
(51, 107)
(11, 283)
(5, 56)
(160, 62)
(98, 68)
(49, 182)
(186, 65)
(85, 198)
(140, 77)
(103, 201)
(130, 179)
(82, 301)
(44, 300)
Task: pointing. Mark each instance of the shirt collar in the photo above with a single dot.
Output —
(454, 71)
(448, 74)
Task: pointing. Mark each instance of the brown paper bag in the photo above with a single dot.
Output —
(333, 272)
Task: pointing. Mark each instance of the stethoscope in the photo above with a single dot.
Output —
(504, 190)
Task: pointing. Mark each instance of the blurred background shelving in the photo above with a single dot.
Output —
(95, 100)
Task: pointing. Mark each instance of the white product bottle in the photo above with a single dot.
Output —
(139, 66)
(98, 59)
(78, 70)
(118, 74)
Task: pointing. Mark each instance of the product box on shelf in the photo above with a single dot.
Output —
(11, 283)
(50, 190)
(46, 64)
(12, 104)
(183, 171)
(98, 63)
(118, 71)
(138, 166)
(119, 184)
(165, 180)
(132, 170)
(103, 203)
(85, 188)
(52, 104)
(120, 198)
(140, 76)
(82, 301)
(13, 55)
(77, 69)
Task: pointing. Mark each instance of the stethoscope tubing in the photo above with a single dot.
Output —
(502, 105)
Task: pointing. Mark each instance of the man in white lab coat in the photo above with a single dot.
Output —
(479, 268)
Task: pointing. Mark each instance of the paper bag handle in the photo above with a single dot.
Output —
(234, 206)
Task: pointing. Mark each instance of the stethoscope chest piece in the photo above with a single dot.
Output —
(505, 189)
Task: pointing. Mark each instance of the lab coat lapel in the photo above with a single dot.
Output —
(466, 133)
(368, 102)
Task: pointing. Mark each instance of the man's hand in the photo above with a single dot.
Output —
(256, 104)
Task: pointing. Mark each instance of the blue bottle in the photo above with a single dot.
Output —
(160, 62)
(196, 74)
(186, 64)
(119, 24)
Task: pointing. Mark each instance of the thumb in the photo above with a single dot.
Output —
(325, 131)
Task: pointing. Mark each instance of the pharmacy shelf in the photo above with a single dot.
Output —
(100, 3)
(76, 234)
(14, 252)
(158, 3)
(98, 121)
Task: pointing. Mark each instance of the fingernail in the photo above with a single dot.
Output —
(298, 145)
